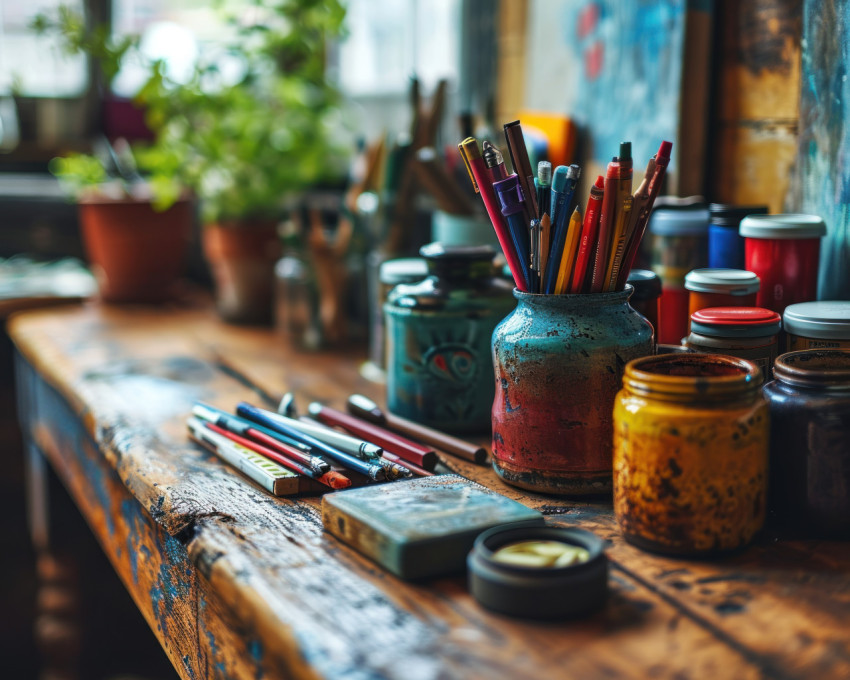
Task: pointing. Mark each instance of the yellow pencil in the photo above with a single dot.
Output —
(565, 271)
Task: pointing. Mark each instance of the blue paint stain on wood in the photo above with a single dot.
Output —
(824, 143)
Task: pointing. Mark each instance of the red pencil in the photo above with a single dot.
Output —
(415, 469)
(589, 231)
(482, 184)
(334, 480)
(389, 441)
(606, 226)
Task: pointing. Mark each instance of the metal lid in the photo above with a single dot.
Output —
(782, 226)
(404, 270)
(735, 322)
(820, 368)
(549, 593)
(646, 283)
(671, 220)
(726, 281)
(443, 253)
(828, 320)
(728, 215)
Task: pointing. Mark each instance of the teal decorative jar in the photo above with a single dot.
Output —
(439, 366)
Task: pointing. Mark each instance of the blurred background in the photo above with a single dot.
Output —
(318, 139)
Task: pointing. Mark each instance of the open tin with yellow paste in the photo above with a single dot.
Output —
(574, 584)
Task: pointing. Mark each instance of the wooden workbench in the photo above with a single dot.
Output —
(236, 583)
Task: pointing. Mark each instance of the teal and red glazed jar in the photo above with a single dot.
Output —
(439, 369)
(558, 361)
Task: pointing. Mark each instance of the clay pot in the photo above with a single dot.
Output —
(136, 253)
(242, 257)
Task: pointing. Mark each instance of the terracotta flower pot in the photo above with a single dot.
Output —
(136, 253)
(242, 257)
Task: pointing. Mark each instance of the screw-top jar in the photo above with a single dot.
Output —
(679, 244)
(747, 332)
(439, 368)
(690, 453)
(809, 403)
(720, 288)
(783, 250)
(817, 325)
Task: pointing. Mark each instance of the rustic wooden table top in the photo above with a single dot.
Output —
(237, 583)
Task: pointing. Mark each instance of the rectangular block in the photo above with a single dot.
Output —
(422, 527)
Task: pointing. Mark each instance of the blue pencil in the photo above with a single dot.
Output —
(257, 415)
(563, 188)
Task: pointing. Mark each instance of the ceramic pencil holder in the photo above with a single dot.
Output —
(558, 363)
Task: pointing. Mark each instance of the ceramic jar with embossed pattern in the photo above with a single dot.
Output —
(439, 370)
(690, 453)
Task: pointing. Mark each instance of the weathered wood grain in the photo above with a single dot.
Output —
(237, 583)
(756, 105)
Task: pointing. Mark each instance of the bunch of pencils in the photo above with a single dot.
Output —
(549, 248)
(331, 449)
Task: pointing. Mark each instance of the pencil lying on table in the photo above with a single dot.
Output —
(371, 470)
(270, 474)
(365, 408)
(288, 447)
(410, 451)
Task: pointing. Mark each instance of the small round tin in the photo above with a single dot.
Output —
(746, 332)
(818, 325)
(544, 593)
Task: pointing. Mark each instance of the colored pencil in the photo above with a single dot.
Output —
(589, 231)
(371, 470)
(482, 184)
(259, 434)
(662, 160)
(363, 407)
(389, 441)
(412, 467)
(334, 480)
(565, 271)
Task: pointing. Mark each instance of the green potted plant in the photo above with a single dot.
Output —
(244, 147)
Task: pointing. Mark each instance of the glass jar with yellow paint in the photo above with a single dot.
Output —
(690, 453)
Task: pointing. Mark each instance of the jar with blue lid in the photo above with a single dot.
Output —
(725, 244)
(439, 365)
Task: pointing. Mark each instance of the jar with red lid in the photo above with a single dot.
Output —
(719, 287)
(747, 332)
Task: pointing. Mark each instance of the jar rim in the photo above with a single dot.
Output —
(828, 368)
(685, 376)
(594, 298)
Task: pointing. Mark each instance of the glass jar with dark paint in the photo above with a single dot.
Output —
(439, 368)
(809, 403)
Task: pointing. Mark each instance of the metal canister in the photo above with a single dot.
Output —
(817, 325)
(690, 453)
(679, 231)
(720, 287)
(809, 403)
(747, 332)
(439, 367)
